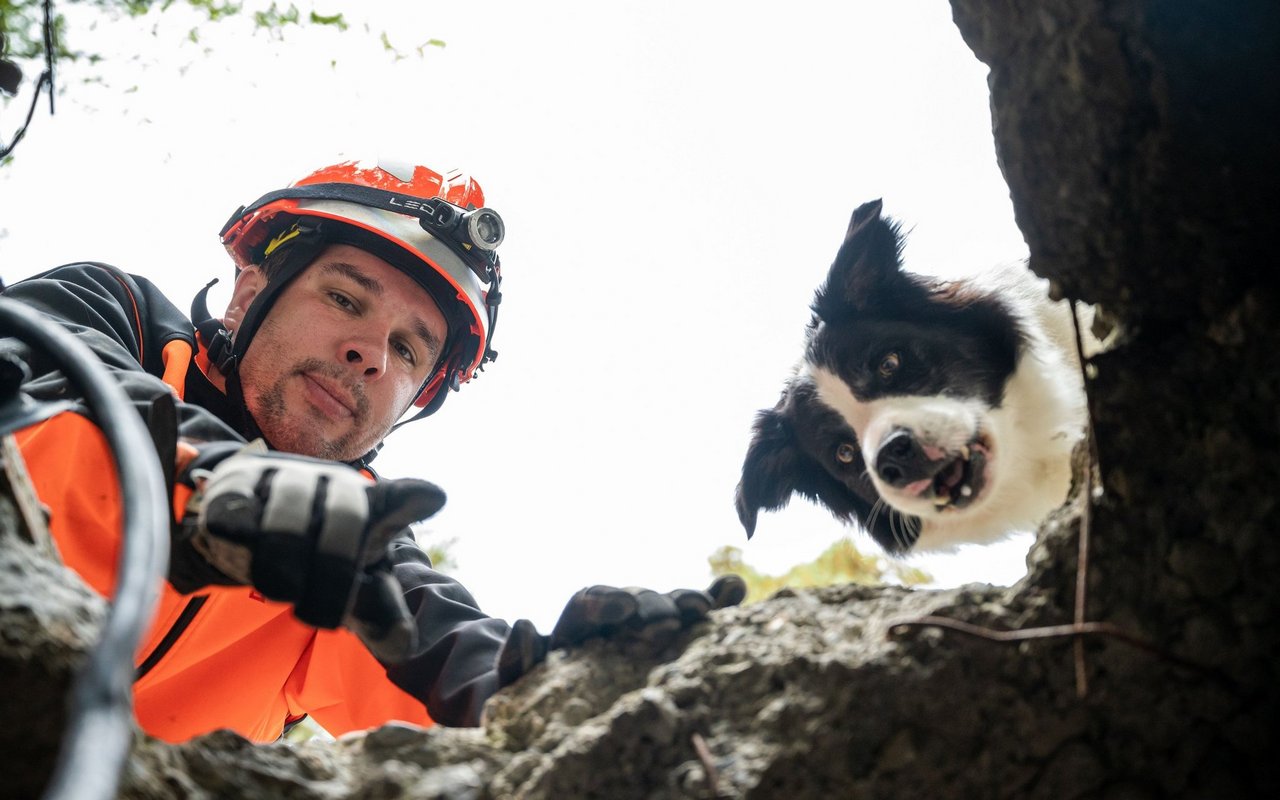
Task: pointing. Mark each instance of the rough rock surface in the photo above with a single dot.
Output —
(1140, 142)
(48, 620)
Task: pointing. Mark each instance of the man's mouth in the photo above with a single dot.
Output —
(960, 480)
(328, 398)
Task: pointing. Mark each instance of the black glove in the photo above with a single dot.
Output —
(314, 534)
(629, 614)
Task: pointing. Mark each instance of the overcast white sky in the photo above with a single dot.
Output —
(675, 178)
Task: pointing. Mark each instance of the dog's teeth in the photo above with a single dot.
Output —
(964, 452)
(966, 490)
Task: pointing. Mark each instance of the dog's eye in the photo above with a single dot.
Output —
(889, 365)
(846, 453)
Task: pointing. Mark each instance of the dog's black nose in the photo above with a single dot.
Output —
(900, 459)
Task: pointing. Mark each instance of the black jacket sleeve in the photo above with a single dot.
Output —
(126, 322)
(455, 667)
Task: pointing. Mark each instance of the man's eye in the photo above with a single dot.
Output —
(405, 352)
(341, 300)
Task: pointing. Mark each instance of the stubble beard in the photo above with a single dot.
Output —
(289, 432)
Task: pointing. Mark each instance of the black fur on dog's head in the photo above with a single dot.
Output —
(947, 339)
(779, 461)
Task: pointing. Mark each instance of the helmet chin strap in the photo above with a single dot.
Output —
(226, 350)
(220, 346)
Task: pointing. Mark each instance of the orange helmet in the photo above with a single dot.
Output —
(434, 227)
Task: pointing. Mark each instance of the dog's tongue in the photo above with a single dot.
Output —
(916, 488)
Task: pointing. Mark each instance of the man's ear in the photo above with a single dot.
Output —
(249, 283)
(866, 264)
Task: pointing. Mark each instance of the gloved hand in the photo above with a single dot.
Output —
(314, 534)
(629, 614)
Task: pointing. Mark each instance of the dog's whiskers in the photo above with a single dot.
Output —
(893, 526)
(914, 527)
(904, 529)
(900, 534)
(876, 508)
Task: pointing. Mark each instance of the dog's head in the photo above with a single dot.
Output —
(892, 417)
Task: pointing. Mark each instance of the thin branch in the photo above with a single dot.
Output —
(1082, 559)
(45, 82)
(1105, 629)
(708, 766)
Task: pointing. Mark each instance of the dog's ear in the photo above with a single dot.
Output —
(769, 470)
(866, 264)
(776, 467)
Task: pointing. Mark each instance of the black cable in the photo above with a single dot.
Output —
(31, 111)
(99, 730)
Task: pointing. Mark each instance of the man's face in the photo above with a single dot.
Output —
(341, 354)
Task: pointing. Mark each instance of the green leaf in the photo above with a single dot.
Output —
(334, 19)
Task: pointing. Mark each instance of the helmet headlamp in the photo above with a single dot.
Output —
(485, 228)
(475, 233)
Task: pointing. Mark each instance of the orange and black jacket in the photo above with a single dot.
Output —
(223, 657)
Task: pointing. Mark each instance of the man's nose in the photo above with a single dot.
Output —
(365, 356)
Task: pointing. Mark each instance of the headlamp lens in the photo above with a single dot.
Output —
(485, 228)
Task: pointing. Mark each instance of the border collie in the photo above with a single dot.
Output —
(931, 412)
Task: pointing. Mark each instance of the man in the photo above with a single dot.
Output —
(362, 292)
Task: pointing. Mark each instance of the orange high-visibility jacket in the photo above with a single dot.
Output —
(224, 657)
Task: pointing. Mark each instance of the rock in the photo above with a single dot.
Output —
(48, 621)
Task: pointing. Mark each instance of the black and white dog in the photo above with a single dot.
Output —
(931, 412)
